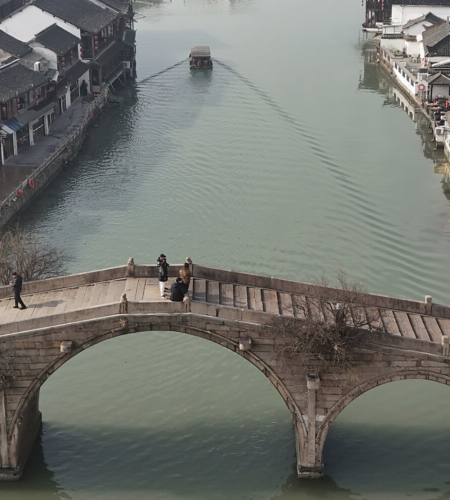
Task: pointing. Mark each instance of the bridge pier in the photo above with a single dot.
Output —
(309, 460)
(234, 310)
(16, 447)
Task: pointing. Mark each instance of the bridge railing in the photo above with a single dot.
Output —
(222, 275)
(80, 279)
(312, 290)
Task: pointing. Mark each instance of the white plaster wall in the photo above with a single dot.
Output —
(393, 43)
(408, 85)
(68, 101)
(86, 77)
(4, 55)
(30, 21)
(48, 54)
(401, 14)
(417, 29)
(412, 49)
(421, 50)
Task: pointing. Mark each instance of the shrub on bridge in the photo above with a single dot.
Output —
(329, 324)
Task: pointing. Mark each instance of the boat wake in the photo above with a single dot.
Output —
(357, 200)
(147, 78)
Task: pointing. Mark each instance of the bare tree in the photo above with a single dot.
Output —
(329, 323)
(29, 255)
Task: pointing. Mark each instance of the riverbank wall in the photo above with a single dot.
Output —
(67, 148)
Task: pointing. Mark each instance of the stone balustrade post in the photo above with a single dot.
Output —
(428, 304)
(130, 270)
(445, 345)
(123, 306)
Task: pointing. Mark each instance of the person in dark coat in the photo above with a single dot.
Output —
(163, 273)
(176, 291)
(16, 284)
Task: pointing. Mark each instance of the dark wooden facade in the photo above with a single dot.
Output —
(377, 11)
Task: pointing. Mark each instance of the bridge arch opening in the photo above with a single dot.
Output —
(163, 407)
(390, 436)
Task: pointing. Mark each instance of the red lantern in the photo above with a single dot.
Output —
(63, 58)
(18, 100)
(63, 64)
(96, 37)
(4, 109)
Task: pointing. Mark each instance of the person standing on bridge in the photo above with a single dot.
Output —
(185, 275)
(163, 273)
(16, 284)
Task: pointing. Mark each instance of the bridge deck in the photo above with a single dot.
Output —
(49, 303)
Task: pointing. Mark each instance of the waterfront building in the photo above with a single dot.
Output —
(26, 114)
(406, 10)
(7, 7)
(60, 48)
(378, 12)
(73, 47)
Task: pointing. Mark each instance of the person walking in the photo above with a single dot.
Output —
(16, 284)
(163, 273)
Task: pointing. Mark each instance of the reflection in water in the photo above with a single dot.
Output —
(385, 449)
(376, 79)
(295, 489)
(246, 167)
(38, 481)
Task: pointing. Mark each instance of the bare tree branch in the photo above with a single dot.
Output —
(327, 327)
(30, 256)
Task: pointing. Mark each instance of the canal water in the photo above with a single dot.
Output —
(293, 158)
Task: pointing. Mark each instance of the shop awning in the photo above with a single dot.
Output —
(12, 125)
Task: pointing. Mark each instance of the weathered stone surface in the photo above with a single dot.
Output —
(31, 347)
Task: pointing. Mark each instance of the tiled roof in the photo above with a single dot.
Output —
(4, 2)
(430, 17)
(108, 53)
(17, 79)
(433, 35)
(120, 5)
(57, 39)
(439, 79)
(13, 46)
(78, 69)
(419, 2)
(81, 13)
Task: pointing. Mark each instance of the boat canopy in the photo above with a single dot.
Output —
(200, 51)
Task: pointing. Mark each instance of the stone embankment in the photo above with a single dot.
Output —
(43, 173)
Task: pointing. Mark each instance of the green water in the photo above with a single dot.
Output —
(292, 158)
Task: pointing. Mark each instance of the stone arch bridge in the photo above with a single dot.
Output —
(68, 314)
